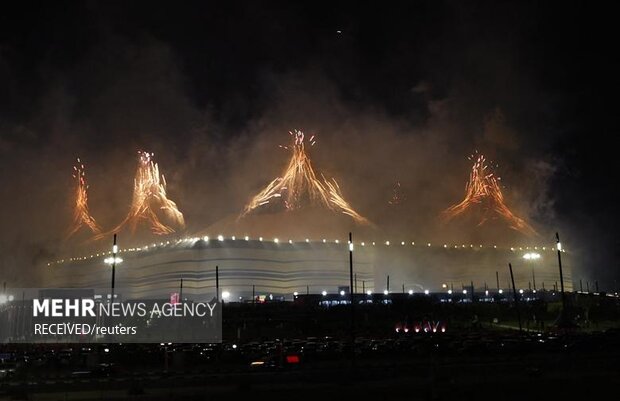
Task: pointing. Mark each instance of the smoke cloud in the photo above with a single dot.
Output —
(216, 140)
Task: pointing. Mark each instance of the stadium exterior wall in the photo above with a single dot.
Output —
(283, 268)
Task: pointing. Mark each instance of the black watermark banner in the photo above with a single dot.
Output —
(46, 315)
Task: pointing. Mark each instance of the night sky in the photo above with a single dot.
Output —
(213, 87)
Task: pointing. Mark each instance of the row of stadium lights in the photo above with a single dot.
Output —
(226, 294)
(277, 241)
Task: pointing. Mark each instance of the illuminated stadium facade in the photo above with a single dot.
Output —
(284, 267)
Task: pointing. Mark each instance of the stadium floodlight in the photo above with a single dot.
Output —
(220, 237)
(295, 293)
(225, 294)
(324, 293)
(464, 292)
(501, 291)
(410, 292)
(426, 292)
(111, 260)
(368, 292)
(385, 292)
(342, 293)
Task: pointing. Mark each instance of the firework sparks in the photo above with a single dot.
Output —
(337, 200)
(149, 196)
(299, 180)
(398, 195)
(483, 186)
(81, 214)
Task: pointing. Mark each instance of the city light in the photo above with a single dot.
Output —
(341, 292)
(225, 294)
(295, 293)
(323, 292)
(501, 291)
(410, 292)
(426, 292)
(220, 237)
(385, 292)
(368, 292)
(464, 291)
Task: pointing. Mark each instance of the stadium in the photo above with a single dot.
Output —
(281, 268)
(289, 245)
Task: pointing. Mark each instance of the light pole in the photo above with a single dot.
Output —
(352, 297)
(559, 248)
(514, 291)
(112, 261)
(531, 257)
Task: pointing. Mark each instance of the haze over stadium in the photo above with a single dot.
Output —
(214, 118)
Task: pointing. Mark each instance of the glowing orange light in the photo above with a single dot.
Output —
(81, 214)
(299, 180)
(149, 196)
(483, 186)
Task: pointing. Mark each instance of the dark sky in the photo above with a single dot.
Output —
(210, 86)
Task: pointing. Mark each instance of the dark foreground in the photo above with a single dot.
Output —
(417, 349)
(467, 366)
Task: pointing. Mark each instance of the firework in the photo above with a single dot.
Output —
(483, 188)
(337, 201)
(149, 197)
(298, 181)
(81, 214)
(398, 195)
